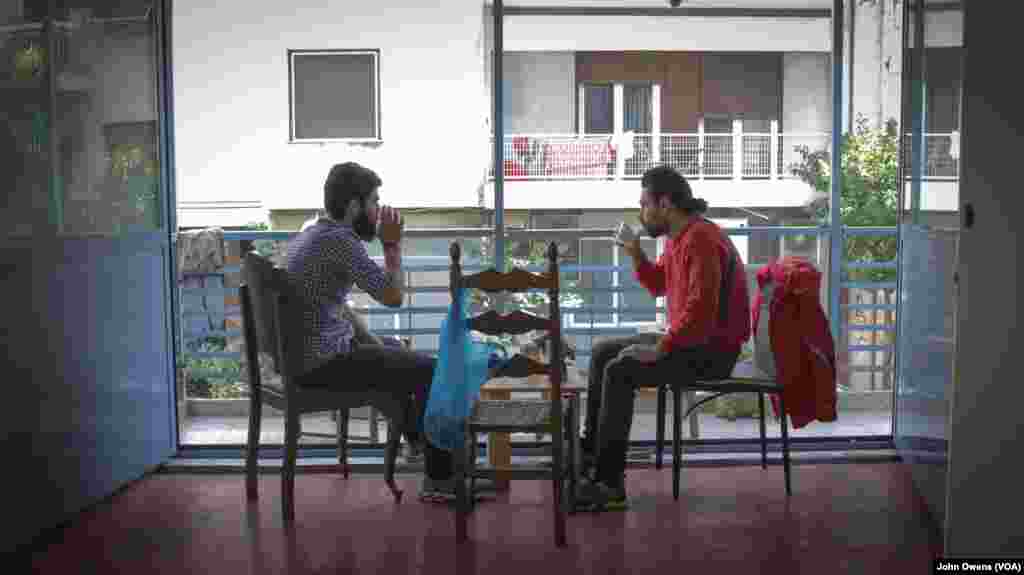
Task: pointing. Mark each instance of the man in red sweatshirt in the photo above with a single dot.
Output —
(703, 279)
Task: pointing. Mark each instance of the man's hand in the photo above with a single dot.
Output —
(641, 353)
(391, 224)
(633, 249)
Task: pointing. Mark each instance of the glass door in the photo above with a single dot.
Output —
(929, 234)
(86, 227)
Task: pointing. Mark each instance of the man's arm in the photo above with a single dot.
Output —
(391, 296)
(387, 285)
(650, 275)
(390, 230)
(363, 334)
(703, 283)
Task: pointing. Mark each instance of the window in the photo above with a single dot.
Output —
(598, 106)
(334, 95)
(600, 103)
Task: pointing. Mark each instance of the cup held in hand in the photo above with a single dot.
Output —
(625, 233)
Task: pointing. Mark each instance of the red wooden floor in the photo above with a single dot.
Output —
(842, 518)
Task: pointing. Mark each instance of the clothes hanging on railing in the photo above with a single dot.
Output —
(201, 251)
(801, 340)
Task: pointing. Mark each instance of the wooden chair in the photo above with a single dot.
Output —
(271, 325)
(719, 387)
(543, 416)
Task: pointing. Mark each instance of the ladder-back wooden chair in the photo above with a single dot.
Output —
(541, 416)
(272, 326)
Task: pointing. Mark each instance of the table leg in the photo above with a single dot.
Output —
(499, 445)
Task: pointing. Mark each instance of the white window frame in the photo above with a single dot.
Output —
(292, 53)
(618, 106)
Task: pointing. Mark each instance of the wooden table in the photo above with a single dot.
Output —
(499, 444)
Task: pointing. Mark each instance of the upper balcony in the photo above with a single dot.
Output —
(737, 169)
(700, 155)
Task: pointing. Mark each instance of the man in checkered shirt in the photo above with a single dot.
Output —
(326, 259)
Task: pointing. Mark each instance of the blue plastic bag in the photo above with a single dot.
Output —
(460, 371)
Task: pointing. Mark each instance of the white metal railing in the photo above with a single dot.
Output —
(736, 155)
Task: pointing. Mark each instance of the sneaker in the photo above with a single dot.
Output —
(598, 496)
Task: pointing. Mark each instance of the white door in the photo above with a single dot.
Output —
(986, 469)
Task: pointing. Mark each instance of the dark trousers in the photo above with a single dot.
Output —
(611, 391)
(407, 373)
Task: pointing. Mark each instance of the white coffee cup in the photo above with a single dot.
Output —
(625, 233)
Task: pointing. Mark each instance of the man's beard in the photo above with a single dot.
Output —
(654, 230)
(364, 228)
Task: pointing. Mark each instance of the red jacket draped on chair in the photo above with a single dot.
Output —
(801, 340)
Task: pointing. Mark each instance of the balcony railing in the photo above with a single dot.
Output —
(736, 155)
(210, 306)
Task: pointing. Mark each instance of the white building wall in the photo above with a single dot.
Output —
(547, 33)
(539, 92)
(878, 57)
(231, 100)
(806, 99)
(867, 57)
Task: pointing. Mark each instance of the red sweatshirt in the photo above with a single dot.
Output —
(801, 341)
(690, 273)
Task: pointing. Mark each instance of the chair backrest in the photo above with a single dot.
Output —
(764, 359)
(270, 315)
(519, 322)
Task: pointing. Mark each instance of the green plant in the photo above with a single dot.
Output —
(263, 247)
(869, 191)
(212, 378)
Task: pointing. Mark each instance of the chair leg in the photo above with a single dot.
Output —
(374, 426)
(659, 419)
(571, 445)
(691, 399)
(557, 478)
(785, 443)
(291, 447)
(253, 446)
(764, 434)
(341, 419)
(390, 455)
(461, 498)
(677, 440)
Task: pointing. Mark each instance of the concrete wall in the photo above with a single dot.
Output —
(744, 84)
(806, 98)
(540, 92)
(232, 104)
(877, 53)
